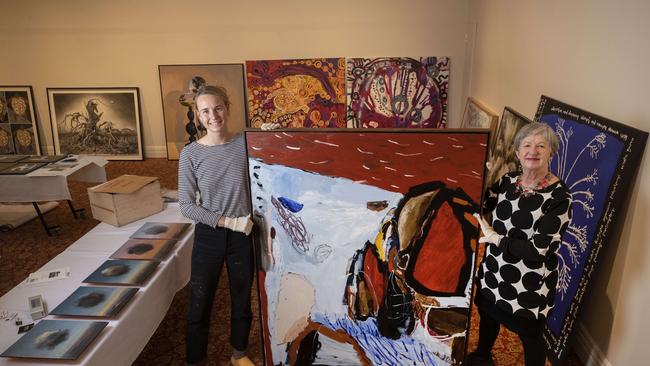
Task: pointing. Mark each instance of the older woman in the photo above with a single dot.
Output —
(530, 209)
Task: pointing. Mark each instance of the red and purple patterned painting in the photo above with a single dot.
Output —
(397, 92)
(296, 93)
(366, 243)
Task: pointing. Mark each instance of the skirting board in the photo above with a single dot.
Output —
(587, 349)
(155, 151)
(149, 151)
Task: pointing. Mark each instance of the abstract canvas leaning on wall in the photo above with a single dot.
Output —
(367, 243)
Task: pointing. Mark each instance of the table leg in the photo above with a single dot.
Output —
(75, 211)
(50, 230)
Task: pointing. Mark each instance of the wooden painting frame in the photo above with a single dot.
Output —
(18, 121)
(103, 121)
(478, 115)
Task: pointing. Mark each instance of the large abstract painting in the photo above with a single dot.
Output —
(18, 123)
(397, 92)
(177, 100)
(366, 243)
(96, 121)
(598, 159)
(502, 148)
(296, 93)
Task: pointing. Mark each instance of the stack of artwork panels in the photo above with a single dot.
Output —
(598, 159)
(123, 272)
(20, 168)
(161, 230)
(397, 92)
(296, 93)
(145, 249)
(96, 121)
(18, 124)
(502, 152)
(385, 219)
(56, 339)
(177, 99)
(96, 301)
(43, 159)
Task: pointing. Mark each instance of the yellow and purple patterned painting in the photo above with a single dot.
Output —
(397, 92)
(296, 93)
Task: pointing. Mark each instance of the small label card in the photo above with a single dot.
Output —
(46, 276)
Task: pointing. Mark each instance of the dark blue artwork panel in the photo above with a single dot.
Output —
(597, 159)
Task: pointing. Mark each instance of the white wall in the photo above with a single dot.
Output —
(594, 55)
(75, 43)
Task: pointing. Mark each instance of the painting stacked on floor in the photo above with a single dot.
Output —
(598, 159)
(367, 243)
(18, 132)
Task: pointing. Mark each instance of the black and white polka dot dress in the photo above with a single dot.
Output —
(519, 275)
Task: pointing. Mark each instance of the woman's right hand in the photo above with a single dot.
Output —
(242, 224)
(489, 235)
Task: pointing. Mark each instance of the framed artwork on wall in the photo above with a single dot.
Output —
(18, 122)
(304, 93)
(397, 92)
(385, 217)
(177, 100)
(96, 121)
(598, 159)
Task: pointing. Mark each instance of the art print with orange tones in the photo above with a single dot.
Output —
(296, 93)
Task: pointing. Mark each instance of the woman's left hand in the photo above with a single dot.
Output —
(489, 235)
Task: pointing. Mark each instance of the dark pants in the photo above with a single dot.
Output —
(528, 330)
(213, 246)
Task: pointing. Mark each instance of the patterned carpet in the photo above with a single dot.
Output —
(27, 248)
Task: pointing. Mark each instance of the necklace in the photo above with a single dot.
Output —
(526, 191)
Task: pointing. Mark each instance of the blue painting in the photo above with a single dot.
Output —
(597, 159)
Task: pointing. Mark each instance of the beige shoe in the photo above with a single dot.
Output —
(244, 361)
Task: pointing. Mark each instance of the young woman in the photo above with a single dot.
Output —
(212, 191)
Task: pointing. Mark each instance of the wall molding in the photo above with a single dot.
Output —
(155, 151)
(587, 350)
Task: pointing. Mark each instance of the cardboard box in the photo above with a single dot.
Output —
(125, 199)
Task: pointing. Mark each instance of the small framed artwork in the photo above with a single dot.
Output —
(12, 158)
(176, 82)
(21, 168)
(56, 339)
(122, 272)
(161, 230)
(478, 115)
(43, 158)
(18, 123)
(145, 249)
(96, 121)
(95, 301)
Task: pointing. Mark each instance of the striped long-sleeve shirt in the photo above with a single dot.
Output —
(216, 175)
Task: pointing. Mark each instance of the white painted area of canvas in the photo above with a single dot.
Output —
(335, 213)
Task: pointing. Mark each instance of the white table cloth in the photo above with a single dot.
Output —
(47, 185)
(123, 339)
